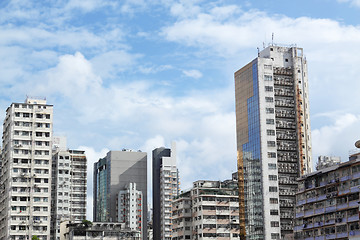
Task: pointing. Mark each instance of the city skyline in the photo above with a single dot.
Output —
(141, 75)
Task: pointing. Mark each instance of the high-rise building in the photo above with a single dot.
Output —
(165, 188)
(112, 175)
(25, 181)
(209, 210)
(273, 139)
(68, 188)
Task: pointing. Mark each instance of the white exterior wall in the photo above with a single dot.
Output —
(130, 202)
(265, 149)
(25, 199)
(68, 188)
(169, 188)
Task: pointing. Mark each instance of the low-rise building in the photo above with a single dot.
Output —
(327, 202)
(97, 231)
(209, 210)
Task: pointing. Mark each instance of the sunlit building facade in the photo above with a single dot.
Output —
(273, 140)
(26, 177)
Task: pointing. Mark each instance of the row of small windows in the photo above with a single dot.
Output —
(26, 152)
(37, 162)
(16, 105)
(26, 189)
(24, 208)
(29, 124)
(27, 199)
(29, 133)
(30, 115)
(26, 218)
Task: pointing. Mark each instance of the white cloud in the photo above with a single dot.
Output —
(355, 3)
(336, 138)
(236, 31)
(193, 73)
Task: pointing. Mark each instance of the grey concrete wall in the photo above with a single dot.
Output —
(126, 167)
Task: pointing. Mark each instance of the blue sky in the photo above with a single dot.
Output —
(139, 74)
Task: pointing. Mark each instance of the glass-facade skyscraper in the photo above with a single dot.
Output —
(273, 140)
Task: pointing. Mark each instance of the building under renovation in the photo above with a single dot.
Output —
(273, 140)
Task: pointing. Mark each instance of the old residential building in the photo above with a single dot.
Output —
(209, 210)
(26, 180)
(68, 188)
(327, 202)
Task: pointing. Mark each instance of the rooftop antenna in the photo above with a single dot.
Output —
(272, 39)
(258, 51)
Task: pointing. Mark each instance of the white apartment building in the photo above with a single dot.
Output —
(273, 139)
(130, 207)
(209, 210)
(68, 188)
(26, 180)
(165, 188)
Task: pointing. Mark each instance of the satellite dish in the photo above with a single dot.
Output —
(357, 144)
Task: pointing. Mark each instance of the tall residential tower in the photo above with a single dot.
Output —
(273, 139)
(68, 187)
(165, 188)
(25, 181)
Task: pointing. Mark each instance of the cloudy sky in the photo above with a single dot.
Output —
(139, 74)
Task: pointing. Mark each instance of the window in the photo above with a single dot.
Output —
(272, 177)
(270, 121)
(269, 110)
(272, 189)
(267, 77)
(271, 155)
(274, 201)
(272, 165)
(275, 236)
(271, 143)
(274, 212)
(269, 99)
(26, 115)
(267, 67)
(269, 89)
(274, 224)
(270, 132)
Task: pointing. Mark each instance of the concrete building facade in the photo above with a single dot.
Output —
(165, 188)
(26, 180)
(113, 174)
(273, 140)
(327, 203)
(209, 210)
(130, 207)
(68, 188)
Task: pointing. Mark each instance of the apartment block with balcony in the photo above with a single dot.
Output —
(209, 210)
(165, 188)
(68, 188)
(26, 180)
(327, 203)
